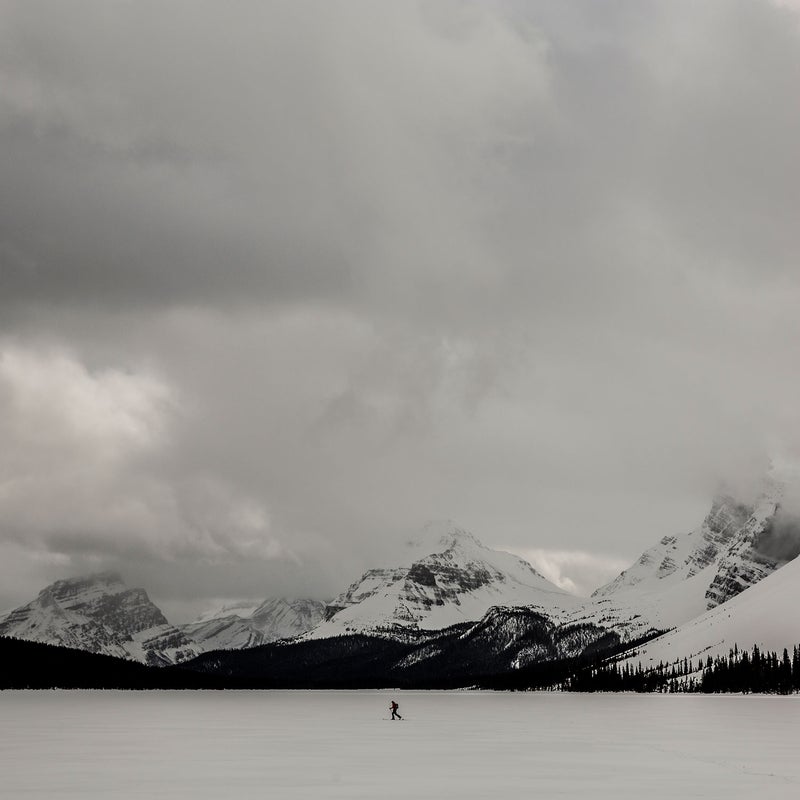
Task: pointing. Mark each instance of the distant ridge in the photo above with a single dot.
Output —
(100, 614)
(242, 624)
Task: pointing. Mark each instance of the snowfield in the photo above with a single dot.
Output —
(342, 745)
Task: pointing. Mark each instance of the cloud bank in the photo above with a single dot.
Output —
(280, 282)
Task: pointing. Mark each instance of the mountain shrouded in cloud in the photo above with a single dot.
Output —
(281, 281)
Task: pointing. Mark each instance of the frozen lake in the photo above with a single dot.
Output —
(243, 745)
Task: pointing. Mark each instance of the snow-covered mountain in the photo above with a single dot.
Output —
(737, 545)
(243, 624)
(448, 584)
(223, 633)
(677, 558)
(282, 618)
(100, 614)
(763, 615)
(448, 577)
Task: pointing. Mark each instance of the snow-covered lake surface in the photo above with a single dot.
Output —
(493, 746)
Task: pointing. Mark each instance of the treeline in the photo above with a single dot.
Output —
(756, 672)
(33, 665)
(557, 674)
(740, 671)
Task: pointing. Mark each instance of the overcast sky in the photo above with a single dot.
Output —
(281, 281)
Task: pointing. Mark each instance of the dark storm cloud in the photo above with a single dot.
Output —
(149, 155)
(171, 153)
(323, 270)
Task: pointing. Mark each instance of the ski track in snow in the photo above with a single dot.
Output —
(319, 745)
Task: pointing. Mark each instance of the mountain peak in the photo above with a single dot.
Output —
(450, 578)
(745, 536)
(99, 613)
(441, 535)
(94, 584)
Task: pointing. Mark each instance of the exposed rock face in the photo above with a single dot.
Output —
(750, 558)
(371, 583)
(685, 556)
(102, 615)
(737, 546)
(459, 580)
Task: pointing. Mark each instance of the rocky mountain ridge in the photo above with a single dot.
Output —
(448, 583)
(737, 545)
(100, 614)
(449, 577)
(763, 615)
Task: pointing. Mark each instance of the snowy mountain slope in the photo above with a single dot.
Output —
(764, 615)
(235, 608)
(767, 541)
(282, 618)
(449, 577)
(677, 558)
(223, 633)
(632, 614)
(245, 624)
(508, 640)
(102, 615)
(735, 547)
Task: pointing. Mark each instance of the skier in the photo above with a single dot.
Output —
(394, 708)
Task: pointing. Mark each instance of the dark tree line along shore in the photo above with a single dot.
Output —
(756, 672)
(359, 662)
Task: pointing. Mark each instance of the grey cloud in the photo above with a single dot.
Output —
(166, 154)
(525, 265)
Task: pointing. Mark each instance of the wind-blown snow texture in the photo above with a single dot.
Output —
(473, 746)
